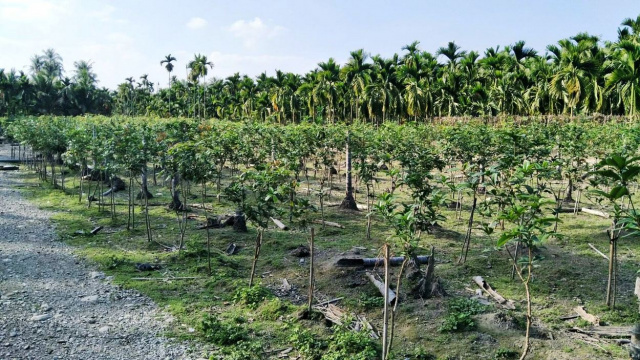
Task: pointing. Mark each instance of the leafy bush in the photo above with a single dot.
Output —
(244, 350)
(460, 315)
(370, 302)
(348, 344)
(503, 354)
(307, 343)
(222, 333)
(421, 353)
(343, 344)
(273, 309)
(251, 296)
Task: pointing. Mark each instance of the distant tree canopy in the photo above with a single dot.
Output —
(578, 75)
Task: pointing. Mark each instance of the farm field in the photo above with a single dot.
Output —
(477, 192)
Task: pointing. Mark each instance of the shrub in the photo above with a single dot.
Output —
(460, 315)
(244, 350)
(504, 354)
(370, 302)
(307, 343)
(348, 344)
(273, 309)
(222, 333)
(251, 296)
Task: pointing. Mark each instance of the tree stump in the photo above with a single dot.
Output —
(140, 195)
(428, 285)
(239, 223)
(349, 203)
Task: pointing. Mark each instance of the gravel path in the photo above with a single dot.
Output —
(54, 306)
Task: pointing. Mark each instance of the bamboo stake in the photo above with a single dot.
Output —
(311, 274)
(385, 324)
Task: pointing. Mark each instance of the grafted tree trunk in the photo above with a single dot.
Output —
(144, 191)
(176, 204)
(569, 195)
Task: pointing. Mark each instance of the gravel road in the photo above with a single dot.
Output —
(54, 306)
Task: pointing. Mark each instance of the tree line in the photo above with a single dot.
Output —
(577, 75)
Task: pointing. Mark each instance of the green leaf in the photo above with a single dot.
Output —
(617, 192)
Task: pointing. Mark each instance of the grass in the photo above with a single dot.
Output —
(571, 274)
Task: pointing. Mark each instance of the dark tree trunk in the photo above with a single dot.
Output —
(239, 222)
(144, 191)
(176, 204)
(569, 196)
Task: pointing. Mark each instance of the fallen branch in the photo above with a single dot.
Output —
(586, 316)
(96, 230)
(373, 262)
(9, 168)
(599, 252)
(596, 212)
(566, 210)
(569, 317)
(380, 285)
(164, 279)
(494, 294)
(280, 224)
(328, 302)
(605, 331)
(328, 223)
(336, 315)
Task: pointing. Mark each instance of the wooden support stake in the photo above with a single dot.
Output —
(387, 298)
(637, 289)
(311, 275)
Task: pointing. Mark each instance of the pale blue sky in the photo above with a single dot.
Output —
(129, 37)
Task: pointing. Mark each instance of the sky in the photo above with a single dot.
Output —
(128, 38)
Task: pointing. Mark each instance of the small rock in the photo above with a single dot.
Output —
(91, 321)
(13, 334)
(300, 251)
(41, 317)
(96, 275)
(45, 307)
(90, 299)
(26, 347)
(103, 329)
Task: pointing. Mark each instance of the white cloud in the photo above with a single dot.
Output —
(254, 32)
(30, 10)
(104, 14)
(196, 23)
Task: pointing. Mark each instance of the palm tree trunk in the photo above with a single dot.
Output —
(170, 113)
(349, 201)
